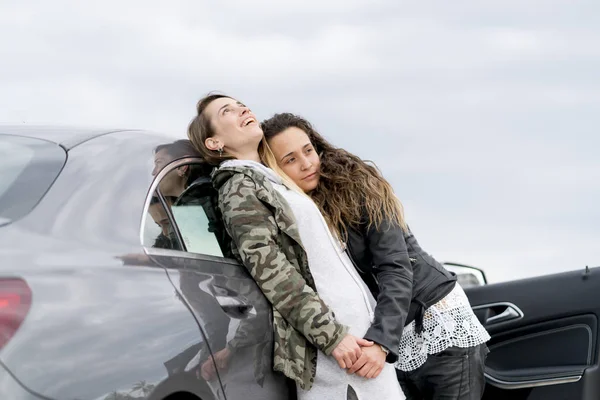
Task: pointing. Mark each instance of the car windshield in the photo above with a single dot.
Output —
(27, 169)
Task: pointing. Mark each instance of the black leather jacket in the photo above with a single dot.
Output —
(403, 278)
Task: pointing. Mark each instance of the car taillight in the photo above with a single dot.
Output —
(15, 300)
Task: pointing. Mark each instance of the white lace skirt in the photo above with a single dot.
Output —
(448, 323)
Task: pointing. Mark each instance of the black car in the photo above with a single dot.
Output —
(115, 283)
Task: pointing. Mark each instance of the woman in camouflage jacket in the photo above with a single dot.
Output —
(266, 240)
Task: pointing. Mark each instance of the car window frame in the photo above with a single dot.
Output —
(172, 252)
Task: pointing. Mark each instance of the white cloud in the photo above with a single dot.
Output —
(482, 114)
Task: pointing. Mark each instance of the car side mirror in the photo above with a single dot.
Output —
(467, 275)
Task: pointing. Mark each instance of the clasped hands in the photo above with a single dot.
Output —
(360, 356)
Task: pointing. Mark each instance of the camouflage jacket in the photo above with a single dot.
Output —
(266, 241)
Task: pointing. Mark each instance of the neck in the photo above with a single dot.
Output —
(249, 155)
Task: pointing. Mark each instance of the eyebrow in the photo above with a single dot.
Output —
(292, 152)
(228, 104)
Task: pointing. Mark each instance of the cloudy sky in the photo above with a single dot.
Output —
(483, 114)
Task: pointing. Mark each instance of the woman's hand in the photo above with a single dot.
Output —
(370, 363)
(222, 358)
(220, 361)
(348, 351)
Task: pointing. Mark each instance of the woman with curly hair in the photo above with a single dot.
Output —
(423, 320)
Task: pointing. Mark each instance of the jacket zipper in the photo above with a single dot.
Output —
(361, 287)
(352, 273)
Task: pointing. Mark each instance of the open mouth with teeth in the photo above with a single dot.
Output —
(248, 121)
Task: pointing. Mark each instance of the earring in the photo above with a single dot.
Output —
(220, 152)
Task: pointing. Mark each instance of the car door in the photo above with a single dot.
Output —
(229, 307)
(544, 333)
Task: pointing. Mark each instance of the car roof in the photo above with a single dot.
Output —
(67, 137)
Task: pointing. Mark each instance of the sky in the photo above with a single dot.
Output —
(483, 115)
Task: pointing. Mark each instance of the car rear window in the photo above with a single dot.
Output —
(27, 169)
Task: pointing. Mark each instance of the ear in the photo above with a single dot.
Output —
(213, 144)
(181, 171)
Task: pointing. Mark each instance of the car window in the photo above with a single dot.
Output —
(191, 212)
(196, 215)
(28, 167)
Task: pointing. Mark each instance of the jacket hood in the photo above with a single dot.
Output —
(252, 168)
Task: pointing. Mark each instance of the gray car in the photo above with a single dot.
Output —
(117, 282)
(93, 305)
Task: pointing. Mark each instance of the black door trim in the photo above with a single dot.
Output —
(504, 383)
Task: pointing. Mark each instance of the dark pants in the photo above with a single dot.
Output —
(453, 374)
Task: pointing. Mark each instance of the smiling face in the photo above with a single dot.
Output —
(236, 129)
(297, 157)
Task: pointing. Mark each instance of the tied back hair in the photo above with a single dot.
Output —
(349, 187)
(201, 128)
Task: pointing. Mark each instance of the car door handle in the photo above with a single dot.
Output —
(508, 314)
(495, 313)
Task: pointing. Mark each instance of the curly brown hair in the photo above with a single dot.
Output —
(349, 186)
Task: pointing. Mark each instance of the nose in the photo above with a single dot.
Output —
(244, 110)
(306, 164)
